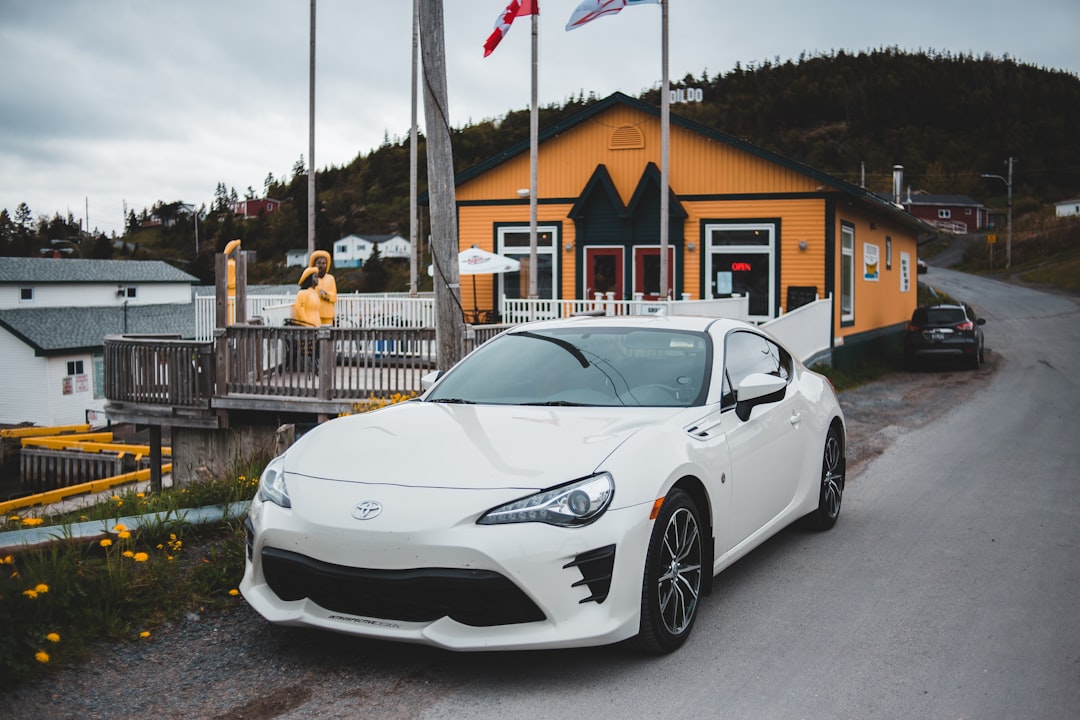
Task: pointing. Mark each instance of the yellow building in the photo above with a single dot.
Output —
(743, 220)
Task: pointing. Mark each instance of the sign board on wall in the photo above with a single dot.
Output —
(871, 262)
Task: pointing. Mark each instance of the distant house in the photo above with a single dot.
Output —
(296, 257)
(957, 214)
(254, 208)
(352, 251)
(54, 316)
(1067, 208)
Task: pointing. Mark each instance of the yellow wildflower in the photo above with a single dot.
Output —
(41, 656)
(41, 588)
(8, 560)
(105, 542)
(144, 634)
(13, 518)
(128, 553)
(234, 592)
(140, 495)
(32, 521)
(141, 557)
(30, 594)
(123, 534)
(53, 637)
(120, 527)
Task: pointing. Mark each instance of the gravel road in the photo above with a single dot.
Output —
(231, 664)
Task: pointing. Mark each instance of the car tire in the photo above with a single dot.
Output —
(831, 491)
(672, 585)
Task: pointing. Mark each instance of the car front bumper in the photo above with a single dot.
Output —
(440, 579)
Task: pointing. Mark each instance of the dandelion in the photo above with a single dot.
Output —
(84, 518)
(13, 518)
(32, 521)
(32, 594)
(53, 637)
(144, 634)
(141, 557)
(128, 553)
(41, 588)
(234, 592)
(123, 534)
(140, 495)
(41, 656)
(8, 560)
(106, 542)
(120, 527)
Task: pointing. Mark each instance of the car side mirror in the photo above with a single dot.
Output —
(758, 389)
(980, 321)
(426, 381)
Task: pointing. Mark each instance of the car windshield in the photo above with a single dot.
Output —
(942, 316)
(583, 366)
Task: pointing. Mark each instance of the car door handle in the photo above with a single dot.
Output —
(796, 418)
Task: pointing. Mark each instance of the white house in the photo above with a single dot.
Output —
(54, 316)
(1067, 208)
(352, 251)
(296, 258)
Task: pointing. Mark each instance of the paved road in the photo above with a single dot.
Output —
(948, 590)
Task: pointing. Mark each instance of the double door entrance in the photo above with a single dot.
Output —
(626, 272)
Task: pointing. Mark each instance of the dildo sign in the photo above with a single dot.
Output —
(681, 95)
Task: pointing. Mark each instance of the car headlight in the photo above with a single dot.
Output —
(272, 483)
(572, 505)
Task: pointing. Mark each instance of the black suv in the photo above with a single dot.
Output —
(945, 331)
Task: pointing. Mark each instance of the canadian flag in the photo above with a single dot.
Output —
(516, 8)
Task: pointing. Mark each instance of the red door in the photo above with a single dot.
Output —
(603, 271)
(647, 272)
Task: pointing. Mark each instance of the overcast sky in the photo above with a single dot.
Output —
(107, 102)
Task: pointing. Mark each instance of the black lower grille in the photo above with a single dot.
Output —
(596, 567)
(480, 598)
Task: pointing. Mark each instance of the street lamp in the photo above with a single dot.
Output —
(1008, 232)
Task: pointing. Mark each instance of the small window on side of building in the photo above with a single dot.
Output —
(26, 294)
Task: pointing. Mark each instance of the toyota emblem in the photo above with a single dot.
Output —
(367, 510)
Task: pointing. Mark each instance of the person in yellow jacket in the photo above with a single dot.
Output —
(320, 260)
(305, 309)
(230, 278)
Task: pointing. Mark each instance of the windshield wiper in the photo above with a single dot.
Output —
(567, 346)
(562, 403)
(453, 401)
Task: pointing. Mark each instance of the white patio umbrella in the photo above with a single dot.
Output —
(475, 261)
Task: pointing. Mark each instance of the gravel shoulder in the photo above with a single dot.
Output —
(231, 664)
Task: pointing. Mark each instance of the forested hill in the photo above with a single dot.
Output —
(946, 118)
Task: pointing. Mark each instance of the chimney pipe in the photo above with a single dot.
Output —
(897, 182)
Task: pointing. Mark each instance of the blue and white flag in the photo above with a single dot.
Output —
(589, 10)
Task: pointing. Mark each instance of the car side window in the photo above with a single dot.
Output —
(746, 353)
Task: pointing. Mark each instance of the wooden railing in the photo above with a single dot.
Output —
(159, 370)
(252, 367)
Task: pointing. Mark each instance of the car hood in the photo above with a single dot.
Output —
(423, 444)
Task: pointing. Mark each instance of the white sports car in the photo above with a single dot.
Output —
(571, 482)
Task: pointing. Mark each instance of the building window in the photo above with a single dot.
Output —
(26, 294)
(739, 261)
(847, 273)
(131, 292)
(944, 214)
(513, 242)
(75, 367)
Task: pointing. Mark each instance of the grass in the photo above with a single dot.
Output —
(58, 601)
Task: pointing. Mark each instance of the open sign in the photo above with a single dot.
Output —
(740, 267)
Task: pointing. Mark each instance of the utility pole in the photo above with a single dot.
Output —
(449, 323)
(1008, 232)
(414, 240)
(311, 142)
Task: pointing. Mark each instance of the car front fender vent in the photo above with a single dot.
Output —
(704, 430)
(596, 567)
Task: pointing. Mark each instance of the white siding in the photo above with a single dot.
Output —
(94, 294)
(24, 383)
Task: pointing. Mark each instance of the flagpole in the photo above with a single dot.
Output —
(665, 128)
(534, 125)
(413, 240)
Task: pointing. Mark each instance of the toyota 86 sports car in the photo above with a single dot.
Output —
(571, 482)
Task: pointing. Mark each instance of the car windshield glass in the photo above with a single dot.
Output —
(583, 366)
(944, 316)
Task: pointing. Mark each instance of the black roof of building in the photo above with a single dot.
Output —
(47, 270)
(64, 330)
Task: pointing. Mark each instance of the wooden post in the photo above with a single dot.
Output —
(155, 458)
(449, 323)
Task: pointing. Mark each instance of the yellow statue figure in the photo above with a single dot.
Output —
(321, 261)
(230, 281)
(306, 307)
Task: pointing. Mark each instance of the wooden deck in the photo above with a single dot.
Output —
(163, 380)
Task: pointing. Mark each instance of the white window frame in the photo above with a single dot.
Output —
(847, 278)
(768, 250)
(552, 250)
(944, 214)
